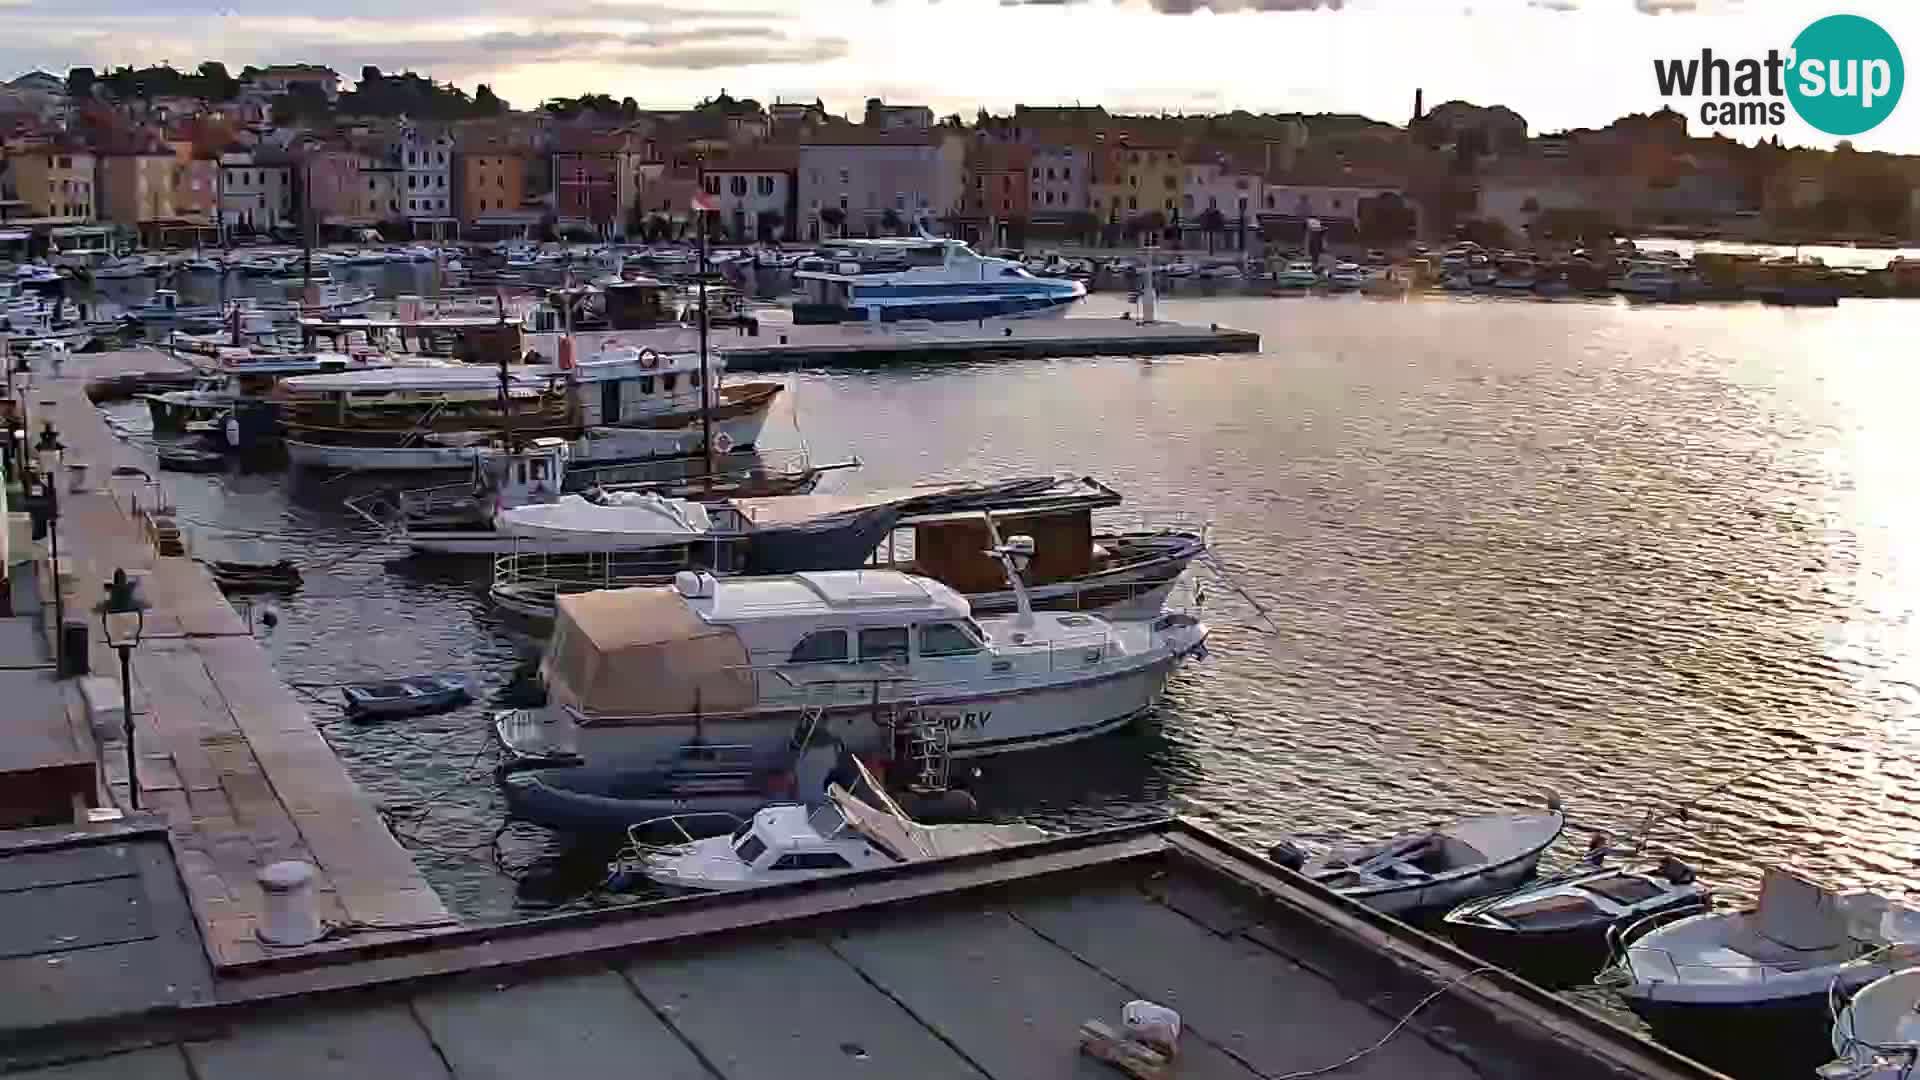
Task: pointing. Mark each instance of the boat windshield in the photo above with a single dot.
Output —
(750, 848)
(826, 820)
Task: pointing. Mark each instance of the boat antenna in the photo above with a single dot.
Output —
(700, 233)
(1014, 556)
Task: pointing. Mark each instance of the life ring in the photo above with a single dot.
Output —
(723, 443)
(649, 359)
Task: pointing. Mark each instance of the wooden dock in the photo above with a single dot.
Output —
(868, 345)
(226, 753)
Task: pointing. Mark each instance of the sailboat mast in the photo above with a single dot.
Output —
(706, 380)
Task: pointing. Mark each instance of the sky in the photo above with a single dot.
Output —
(1560, 63)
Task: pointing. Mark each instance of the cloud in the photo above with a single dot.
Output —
(1655, 7)
(1555, 5)
(1188, 7)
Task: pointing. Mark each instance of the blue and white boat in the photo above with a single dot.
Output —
(923, 277)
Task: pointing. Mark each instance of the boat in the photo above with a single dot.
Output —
(233, 376)
(189, 459)
(1346, 275)
(1298, 274)
(1877, 1035)
(843, 835)
(706, 788)
(1555, 931)
(414, 696)
(132, 266)
(617, 521)
(1736, 989)
(1433, 868)
(887, 280)
(231, 575)
(1179, 268)
(165, 306)
(630, 673)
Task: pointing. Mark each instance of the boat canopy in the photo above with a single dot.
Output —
(643, 652)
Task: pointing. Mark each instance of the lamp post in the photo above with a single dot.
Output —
(123, 619)
(48, 452)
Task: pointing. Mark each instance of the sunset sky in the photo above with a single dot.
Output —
(1560, 63)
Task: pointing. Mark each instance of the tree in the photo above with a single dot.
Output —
(80, 82)
(216, 84)
(891, 222)
(486, 103)
(834, 217)
(770, 222)
(629, 109)
(873, 115)
(1487, 232)
(1083, 225)
(1384, 220)
(369, 76)
(1212, 222)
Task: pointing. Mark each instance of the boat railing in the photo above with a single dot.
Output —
(547, 574)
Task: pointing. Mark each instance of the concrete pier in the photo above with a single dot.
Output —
(867, 345)
(228, 757)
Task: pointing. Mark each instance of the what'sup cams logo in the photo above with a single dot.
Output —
(1843, 75)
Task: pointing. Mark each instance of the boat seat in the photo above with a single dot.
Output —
(1796, 915)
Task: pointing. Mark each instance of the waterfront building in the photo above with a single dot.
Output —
(1213, 184)
(256, 195)
(753, 191)
(55, 180)
(858, 175)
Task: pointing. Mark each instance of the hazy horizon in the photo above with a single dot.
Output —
(1560, 63)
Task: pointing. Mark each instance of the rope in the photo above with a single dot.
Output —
(1391, 1032)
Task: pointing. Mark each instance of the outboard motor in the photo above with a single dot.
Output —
(1676, 871)
(1288, 854)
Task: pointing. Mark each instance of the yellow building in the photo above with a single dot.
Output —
(138, 187)
(1131, 180)
(55, 182)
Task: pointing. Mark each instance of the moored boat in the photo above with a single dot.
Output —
(931, 278)
(405, 697)
(1432, 869)
(1877, 1035)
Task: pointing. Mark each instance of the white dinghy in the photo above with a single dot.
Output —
(1752, 986)
(1877, 1036)
(1433, 868)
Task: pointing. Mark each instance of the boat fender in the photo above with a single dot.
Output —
(1288, 854)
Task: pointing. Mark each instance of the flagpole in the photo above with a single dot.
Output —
(706, 381)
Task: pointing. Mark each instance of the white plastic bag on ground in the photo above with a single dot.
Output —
(1155, 1025)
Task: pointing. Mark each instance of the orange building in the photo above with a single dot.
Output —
(137, 187)
(492, 179)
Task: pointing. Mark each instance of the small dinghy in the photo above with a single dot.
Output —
(405, 697)
(1877, 1036)
(709, 789)
(189, 459)
(232, 576)
(1750, 988)
(1554, 932)
(1433, 869)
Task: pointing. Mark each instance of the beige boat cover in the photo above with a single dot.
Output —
(641, 652)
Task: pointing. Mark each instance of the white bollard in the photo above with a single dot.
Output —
(290, 917)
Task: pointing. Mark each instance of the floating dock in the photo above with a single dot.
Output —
(778, 348)
(982, 967)
(228, 758)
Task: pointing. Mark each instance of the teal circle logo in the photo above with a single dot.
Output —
(1846, 75)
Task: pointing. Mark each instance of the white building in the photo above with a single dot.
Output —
(1219, 185)
(254, 197)
(425, 157)
(1058, 184)
(1336, 202)
(754, 192)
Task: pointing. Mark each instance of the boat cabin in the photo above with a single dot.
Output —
(533, 473)
(783, 839)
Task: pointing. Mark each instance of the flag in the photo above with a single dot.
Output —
(703, 203)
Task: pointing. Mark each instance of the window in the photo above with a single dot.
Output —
(1006, 204)
(763, 185)
(749, 848)
(738, 185)
(410, 205)
(1336, 204)
(669, 381)
(883, 643)
(1049, 198)
(1213, 203)
(820, 647)
(369, 184)
(610, 401)
(713, 185)
(66, 163)
(646, 384)
(946, 639)
(843, 176)
(411, 179)
(440, 181)
(1133, 202)
(812, 860)
(1066, 174)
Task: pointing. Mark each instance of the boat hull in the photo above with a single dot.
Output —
(978, 724)
(894, 303)
(1784, 1037)
(1561, 957)
(607, 446)
(1427, 899)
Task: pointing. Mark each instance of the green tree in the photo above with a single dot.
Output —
(770, 222)
(80, 82)
(835, 218)
(891, 222)
(215, 83)
(1212, 222)
(1385, 220)
(485, 103)
(629, 109)
(369, 76)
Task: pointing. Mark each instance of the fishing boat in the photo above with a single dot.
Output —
(1555, 931)
(165, 306)
(231, 376)
(1876, 1036)
(1433, 868)
(843, 835)
(706, 788)
(630, 673)
(1735, 989)
(233, 575)
(886, 280)
(414, 696)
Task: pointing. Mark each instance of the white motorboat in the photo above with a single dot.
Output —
(1433, 868)
(1346, 275)
(1736, 988)
(1877, 1035)
(623, 521)
(1298, 274)
(1179, 268)
(165, 306)
(843, 835)
(925, 278)
(630, 673)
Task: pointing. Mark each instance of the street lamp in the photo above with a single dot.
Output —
(123, 619)
(49, 453)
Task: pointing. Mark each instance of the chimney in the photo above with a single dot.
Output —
(1418, 111)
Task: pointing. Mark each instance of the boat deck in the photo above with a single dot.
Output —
(228, 756)
(979, 967)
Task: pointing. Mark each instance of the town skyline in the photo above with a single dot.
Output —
(1562, 64)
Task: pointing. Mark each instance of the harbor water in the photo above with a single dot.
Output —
(1617, 554)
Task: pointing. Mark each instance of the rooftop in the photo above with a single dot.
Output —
(827, 593)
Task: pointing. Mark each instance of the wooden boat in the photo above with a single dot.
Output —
(233, 576)
(1752, 990)
(406, 697)
(1555, 931)
(1434, 868)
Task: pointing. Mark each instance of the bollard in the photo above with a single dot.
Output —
(77, 477)
(73, 648)
(289, 916)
